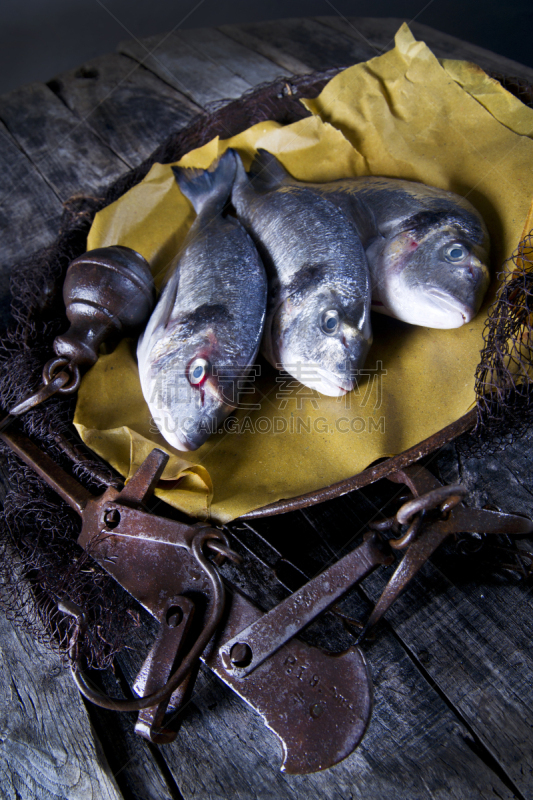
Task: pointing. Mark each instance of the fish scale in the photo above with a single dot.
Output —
(209, 318)
(409, 232)
(317, 272)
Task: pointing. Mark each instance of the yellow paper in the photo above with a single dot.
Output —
(503, 105)
(118, 428)
(409, 119)
(400, 115)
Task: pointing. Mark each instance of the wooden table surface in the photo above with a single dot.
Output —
(453, 663)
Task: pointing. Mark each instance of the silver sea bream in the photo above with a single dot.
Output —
(427, 248)
(206, 329)
(318, 318)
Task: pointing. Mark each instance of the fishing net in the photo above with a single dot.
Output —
(503, 375)
(40, 561)
(504, 372)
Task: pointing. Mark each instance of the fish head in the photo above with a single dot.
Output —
(434, 275)
(191, 395)
(322, 338)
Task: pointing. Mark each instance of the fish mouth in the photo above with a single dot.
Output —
(183, 445)
(186, 434)
(180, 442)
(190, 440)
(332, 385)
(318, 378)
(461, 312)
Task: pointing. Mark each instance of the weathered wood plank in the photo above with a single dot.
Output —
(460, 635)
(130, 109)
(186, 69)
(501, 480)
(134, 761)
(69, 156)
(236, 57)
(286, 61)
(379, 33)
(474, 663)
(29, 213)
(311, 42)
(48, 750)
(417, 740)
(415, 746)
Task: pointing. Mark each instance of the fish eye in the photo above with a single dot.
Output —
(198, 370)
(329, 322)
(455, 252)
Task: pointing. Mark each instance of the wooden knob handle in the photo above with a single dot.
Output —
(107, 290)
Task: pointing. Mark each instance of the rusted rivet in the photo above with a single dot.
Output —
(112, 518)
(241, 654)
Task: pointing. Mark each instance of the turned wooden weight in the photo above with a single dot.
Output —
(106, 290)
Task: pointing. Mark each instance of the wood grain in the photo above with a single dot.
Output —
(186, 68)
(48, 748)
(310, 42)
(126, 105)
(471, 635)
(286, 61)
(136, 764)
(474, 663)
(29, 212)
(224, 51)
(68, 155)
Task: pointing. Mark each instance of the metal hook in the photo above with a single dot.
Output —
(60, 376)
(215, 614)
(430, 500)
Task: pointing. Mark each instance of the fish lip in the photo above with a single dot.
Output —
(445, 302)
(181, 443)
(184, 446)
(206, 428)
(176, 436)
(189, 443)
(335, 381)
(322, 381)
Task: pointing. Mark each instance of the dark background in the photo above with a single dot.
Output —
(40, 38)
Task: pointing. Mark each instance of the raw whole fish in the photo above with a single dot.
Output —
(206, 329)
(318, 317)
(427, 248)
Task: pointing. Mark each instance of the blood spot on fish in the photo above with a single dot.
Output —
(475, 272)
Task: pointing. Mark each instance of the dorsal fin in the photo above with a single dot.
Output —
(211, 185)
(266, 172)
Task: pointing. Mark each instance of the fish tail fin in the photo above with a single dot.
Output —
(213, 185)
(241, 178)
(266, 171)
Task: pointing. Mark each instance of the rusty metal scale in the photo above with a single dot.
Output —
(318, 704)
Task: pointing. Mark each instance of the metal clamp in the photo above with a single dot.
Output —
(188, 662)
(428, 530)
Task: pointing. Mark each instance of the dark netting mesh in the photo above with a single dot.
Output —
(504, 372)
(40, 561)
